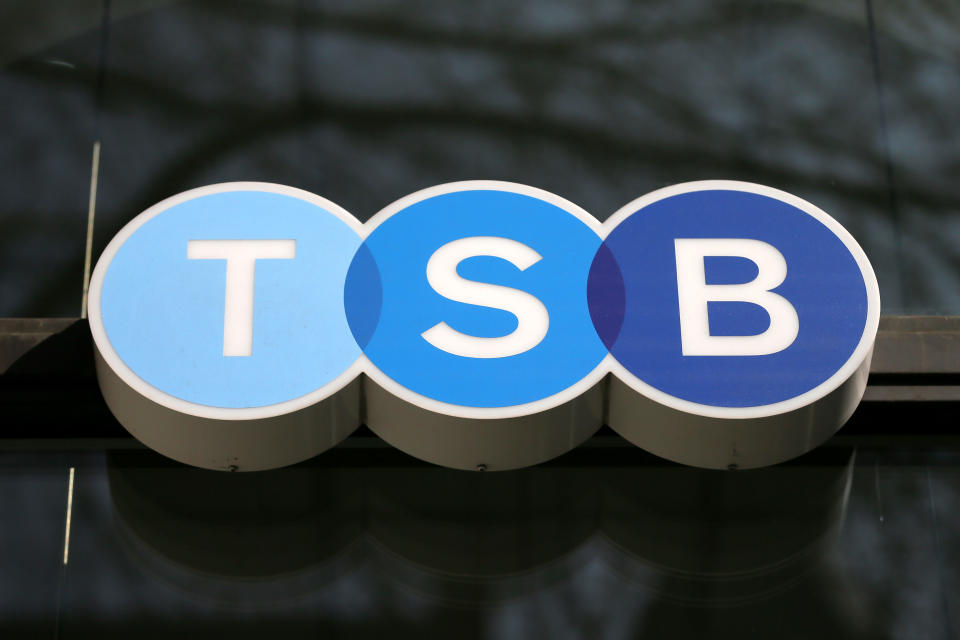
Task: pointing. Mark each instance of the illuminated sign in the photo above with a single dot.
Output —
(483, 325)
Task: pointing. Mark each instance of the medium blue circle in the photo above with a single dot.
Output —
(390, 303)
(633, 298)
(164, 313)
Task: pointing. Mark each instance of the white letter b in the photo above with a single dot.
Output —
(694, 294)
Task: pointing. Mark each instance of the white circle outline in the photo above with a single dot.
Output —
(167, 400)
(364, 365)
(484, 413)
(807, 398)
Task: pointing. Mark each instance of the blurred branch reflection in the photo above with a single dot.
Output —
(365, 102)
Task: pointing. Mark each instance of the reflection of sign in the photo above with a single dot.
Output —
(232, 324)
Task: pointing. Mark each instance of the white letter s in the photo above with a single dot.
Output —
(533, 321)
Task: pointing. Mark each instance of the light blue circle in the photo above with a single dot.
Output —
(164, 313)
(390, 302)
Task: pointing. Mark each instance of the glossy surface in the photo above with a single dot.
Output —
(838, 544)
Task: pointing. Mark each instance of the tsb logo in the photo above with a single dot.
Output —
(491, 325)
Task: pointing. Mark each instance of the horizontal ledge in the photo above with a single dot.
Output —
(921, 345)
(48, 387)
(607, 449)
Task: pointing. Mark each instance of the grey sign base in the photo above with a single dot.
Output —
(232, 445)
(476, 444)
(732, 443)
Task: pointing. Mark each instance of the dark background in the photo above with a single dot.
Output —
(851, 105)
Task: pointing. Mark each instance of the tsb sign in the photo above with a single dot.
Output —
(483, 324)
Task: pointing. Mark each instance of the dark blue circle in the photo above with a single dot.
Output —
(633, 298)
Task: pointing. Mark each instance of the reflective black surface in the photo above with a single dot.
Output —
(846, 542)
(849, 104)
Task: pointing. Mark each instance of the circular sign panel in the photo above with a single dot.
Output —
(219, 326)
(469, 300)
(740, 320)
